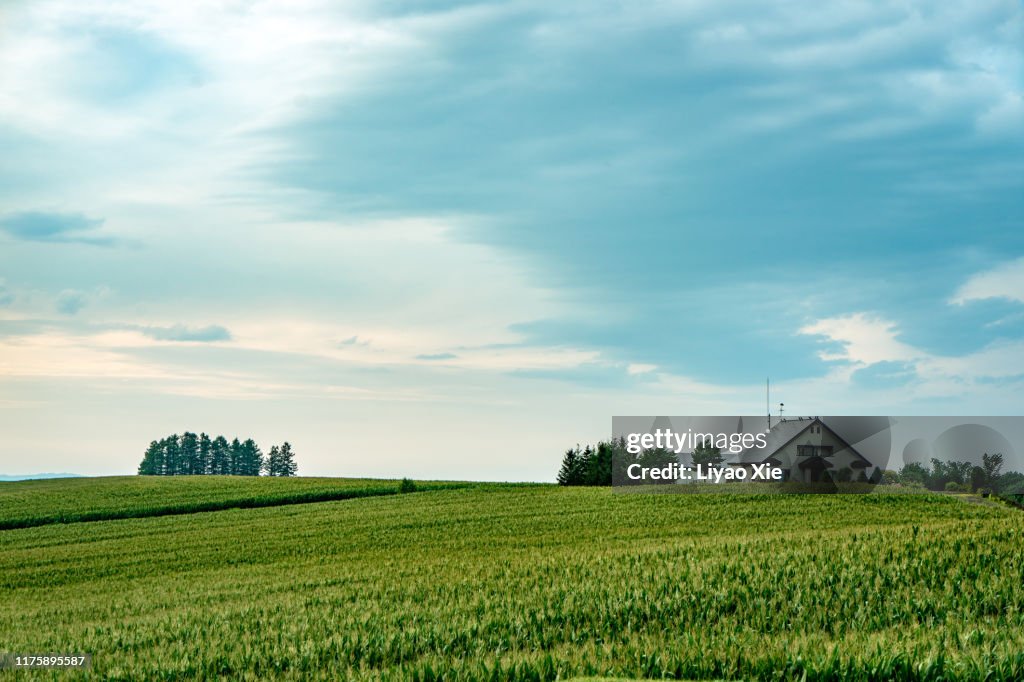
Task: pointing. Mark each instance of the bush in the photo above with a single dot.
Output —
(407, 486)
(954, 487)
(844, 475)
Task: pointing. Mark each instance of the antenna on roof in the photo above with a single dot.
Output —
(768, 399)
(781, 405)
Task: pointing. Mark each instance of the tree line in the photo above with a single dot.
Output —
(194, 455)
(604, 463)
(600, 465)
(963, 476)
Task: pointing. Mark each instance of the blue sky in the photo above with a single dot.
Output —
(402, 233)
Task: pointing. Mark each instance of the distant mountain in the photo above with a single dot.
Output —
(27, 477)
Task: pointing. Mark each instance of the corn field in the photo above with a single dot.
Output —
(495, 582)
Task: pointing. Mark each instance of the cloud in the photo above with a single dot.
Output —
(695, 166)
(861, 339)
(867, 350)
(436, 356)
(178, 332)
(353, 341)
(1004, 281)
(39, 226)
(70, 302)
(497, 181)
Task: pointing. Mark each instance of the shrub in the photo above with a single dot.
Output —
(954, 487)
(407, 486)
(844, 475)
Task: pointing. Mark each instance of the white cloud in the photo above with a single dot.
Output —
(1003, 281)
(864, 340)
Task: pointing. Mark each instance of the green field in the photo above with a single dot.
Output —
(24, 504)
(525, 583)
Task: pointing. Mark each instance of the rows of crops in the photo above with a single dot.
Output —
(24, 504)
(530, 583)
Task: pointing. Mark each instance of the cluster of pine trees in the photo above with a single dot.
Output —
(191, 455)
(589, 466)
(607, 463)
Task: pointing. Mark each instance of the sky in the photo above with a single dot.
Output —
(449, 240)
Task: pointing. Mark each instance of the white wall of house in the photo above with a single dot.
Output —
(818, 435)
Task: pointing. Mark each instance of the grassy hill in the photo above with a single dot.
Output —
(25, 504)
(528, 583)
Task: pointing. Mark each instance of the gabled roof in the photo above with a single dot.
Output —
(780, 435)
(784, 433)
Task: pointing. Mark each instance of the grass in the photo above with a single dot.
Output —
(532, 583)
(25, 504)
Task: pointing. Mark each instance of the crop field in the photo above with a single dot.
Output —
(24, 504)
(495, 582)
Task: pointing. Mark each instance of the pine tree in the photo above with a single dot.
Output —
(220, 456)
(205, 455)
(251, 459)
(281, 461)
(152, 461)
(288, 466)
(189, 454)
(235, 451)
(599, 465)
(273, 462)
(172, 456)
(569, 474)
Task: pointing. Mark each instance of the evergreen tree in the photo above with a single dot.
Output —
(235, 452)
(273, 461)
(586, 456)
(172, 458)
(569, 474)
(599, 465)
(251, 459)
(205, 455)
(189, 454)
(220, 456)
(287, 467)
(152, 461)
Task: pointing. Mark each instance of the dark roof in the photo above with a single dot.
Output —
(782, 434)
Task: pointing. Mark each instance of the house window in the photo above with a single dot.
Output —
(814, 450)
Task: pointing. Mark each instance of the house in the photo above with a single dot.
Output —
(807, 450)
